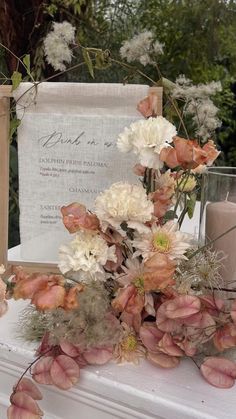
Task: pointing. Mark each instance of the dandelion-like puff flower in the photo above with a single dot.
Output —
(167, 239)
(123, 202)
(56, 45)
(87, 253)
(141, 48)
(146, 138)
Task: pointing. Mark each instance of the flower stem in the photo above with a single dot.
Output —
(211, 242)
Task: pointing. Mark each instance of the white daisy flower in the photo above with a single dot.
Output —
(166, 239)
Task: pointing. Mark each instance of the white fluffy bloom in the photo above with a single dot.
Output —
(123, 202)
(87, 253)
(56, 45)
(146, 138)
(140, 48)
(64, 30)
(204, 114)
(199, 105)
(185, 89)
(167, 239)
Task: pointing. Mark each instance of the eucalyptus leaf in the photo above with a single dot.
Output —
(16, 79)
(14, 124)
(170, 215)
(88, 62)
(191, 202)
(13, 160)
(26, 61)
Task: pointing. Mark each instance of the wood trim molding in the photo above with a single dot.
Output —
(5, 94)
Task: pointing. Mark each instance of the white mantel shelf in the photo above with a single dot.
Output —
(113, 391)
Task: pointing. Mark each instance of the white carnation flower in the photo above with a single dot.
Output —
(123, 202)
(146, 138)
(87, 253)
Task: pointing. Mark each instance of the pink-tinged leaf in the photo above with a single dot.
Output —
(124, 294)
(225, 337)
(64, 372)
(44, 346)
(69, 349)
(98, 356)
(219, 372)
(212, 305)
(201, 320)
(164, 323)
(162, 360)
(23, 407)
(169, 347)
(188, 347)
(182, 307)
(150, 336)
(233, 311)
(41, 370)
(27, 386)
(81, 361)
(133, 320)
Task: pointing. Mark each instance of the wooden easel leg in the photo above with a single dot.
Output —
(4, 177)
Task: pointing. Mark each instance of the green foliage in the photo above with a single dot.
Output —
(16, 79)
(14, 238)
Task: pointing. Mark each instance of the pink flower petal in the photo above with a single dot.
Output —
(162, 360)
(150, 336)
(64, 372)
(163, 323)
(28, 387)
(182, 306)
(49, 298)
(98, 356)
(169, 347)
(41, 370)
(69, 349)
(219, 372)
(23, 407)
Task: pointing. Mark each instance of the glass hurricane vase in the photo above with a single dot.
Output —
(217, 215)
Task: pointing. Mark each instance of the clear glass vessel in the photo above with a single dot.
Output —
(218, 214)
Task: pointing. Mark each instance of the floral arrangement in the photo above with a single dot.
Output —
(132, 284)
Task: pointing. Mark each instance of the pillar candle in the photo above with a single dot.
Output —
(220, 216)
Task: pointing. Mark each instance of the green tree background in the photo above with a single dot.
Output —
(199, 38)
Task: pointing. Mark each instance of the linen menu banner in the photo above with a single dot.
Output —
(67, 153)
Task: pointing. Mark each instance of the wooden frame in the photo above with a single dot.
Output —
(5, 96)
